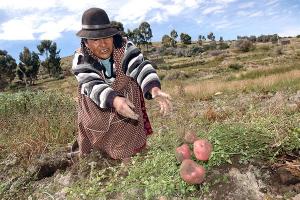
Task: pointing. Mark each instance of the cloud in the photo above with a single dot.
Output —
(251, 13)
(17, 29)
(247, 5)
(222, 24)
(271, 2)
(289, 31)
(39, 26)
(256, 14)
(36, 19)
(224, 1)
(243, 13)
(52, 17)
(42, 19)
(213, 10)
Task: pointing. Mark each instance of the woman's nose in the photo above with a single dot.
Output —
(101, 42)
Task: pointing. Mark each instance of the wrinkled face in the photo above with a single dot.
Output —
(102, 48)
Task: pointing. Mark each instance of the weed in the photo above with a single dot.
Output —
(235, 66)
(53, 115)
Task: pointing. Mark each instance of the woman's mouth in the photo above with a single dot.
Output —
(104, 50)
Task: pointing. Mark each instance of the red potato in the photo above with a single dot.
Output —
(191, 172)
(183, 152)
(190, 137)
(202, 149)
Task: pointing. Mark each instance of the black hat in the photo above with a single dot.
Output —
(96, 24)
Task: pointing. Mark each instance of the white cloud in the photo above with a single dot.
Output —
(242, 13)
(135, 10)
(271, 2)
(13, 5)
(36, 19)
(49, 19)
(256, 14)
(246, 5)
(42, 19)
(222, 24)
(290, 31)
(51, 27)
(17, 29)
(213, 10)
(37, 5)
(224, 1)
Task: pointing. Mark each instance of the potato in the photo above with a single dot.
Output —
(190, 137)
(191, 172)
(202, 149)
(183, 152)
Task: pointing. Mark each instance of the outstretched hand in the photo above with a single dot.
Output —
(124, 107)
(163, 99)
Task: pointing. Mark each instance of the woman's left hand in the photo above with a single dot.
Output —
(163, 99)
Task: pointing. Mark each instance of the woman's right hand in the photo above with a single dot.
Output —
(124, 107)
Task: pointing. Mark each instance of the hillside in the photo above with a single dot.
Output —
(247, 104)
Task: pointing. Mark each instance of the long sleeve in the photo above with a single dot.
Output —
(92, 84)
(140, 69)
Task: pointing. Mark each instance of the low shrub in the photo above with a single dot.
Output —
(244, 45)
(235, 66)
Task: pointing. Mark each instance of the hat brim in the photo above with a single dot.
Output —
(97, 34)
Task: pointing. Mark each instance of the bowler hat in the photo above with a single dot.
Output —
(96, 24)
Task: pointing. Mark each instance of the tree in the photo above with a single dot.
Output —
(119, 26)
(28, 67)
(130, 35)
(274, 38)
(252, 38)
(185, 38)
(211, 36)
(137, 37)
(166, 41)
(43, 48)
(7, 68)
(199, 40)
(52, 61)
(146, 33)
(174, 35)
(221, 39)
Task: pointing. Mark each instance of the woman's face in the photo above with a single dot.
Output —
(102, 48)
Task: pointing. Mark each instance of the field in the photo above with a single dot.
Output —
(247, 104)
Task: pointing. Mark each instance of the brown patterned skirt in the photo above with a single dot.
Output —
(107, 131)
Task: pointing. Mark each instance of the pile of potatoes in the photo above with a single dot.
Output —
(190, 171)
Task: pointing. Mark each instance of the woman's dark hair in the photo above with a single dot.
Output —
(88, 55)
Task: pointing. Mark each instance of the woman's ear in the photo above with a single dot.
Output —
(85, 41)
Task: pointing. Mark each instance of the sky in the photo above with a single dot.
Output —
(23, 23)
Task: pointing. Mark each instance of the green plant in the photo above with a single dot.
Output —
(244, 45)
(53, 115)
(235, 66)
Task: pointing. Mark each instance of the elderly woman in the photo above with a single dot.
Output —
(113, 79)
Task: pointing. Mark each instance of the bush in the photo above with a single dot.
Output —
(216, 52)
(176, 75)
(235, 66)
(35, 122)
(180, 52)
(195, 50)
(265, 47)
(244, 45)
(278, 51)
(223, 45)
(167, 51)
